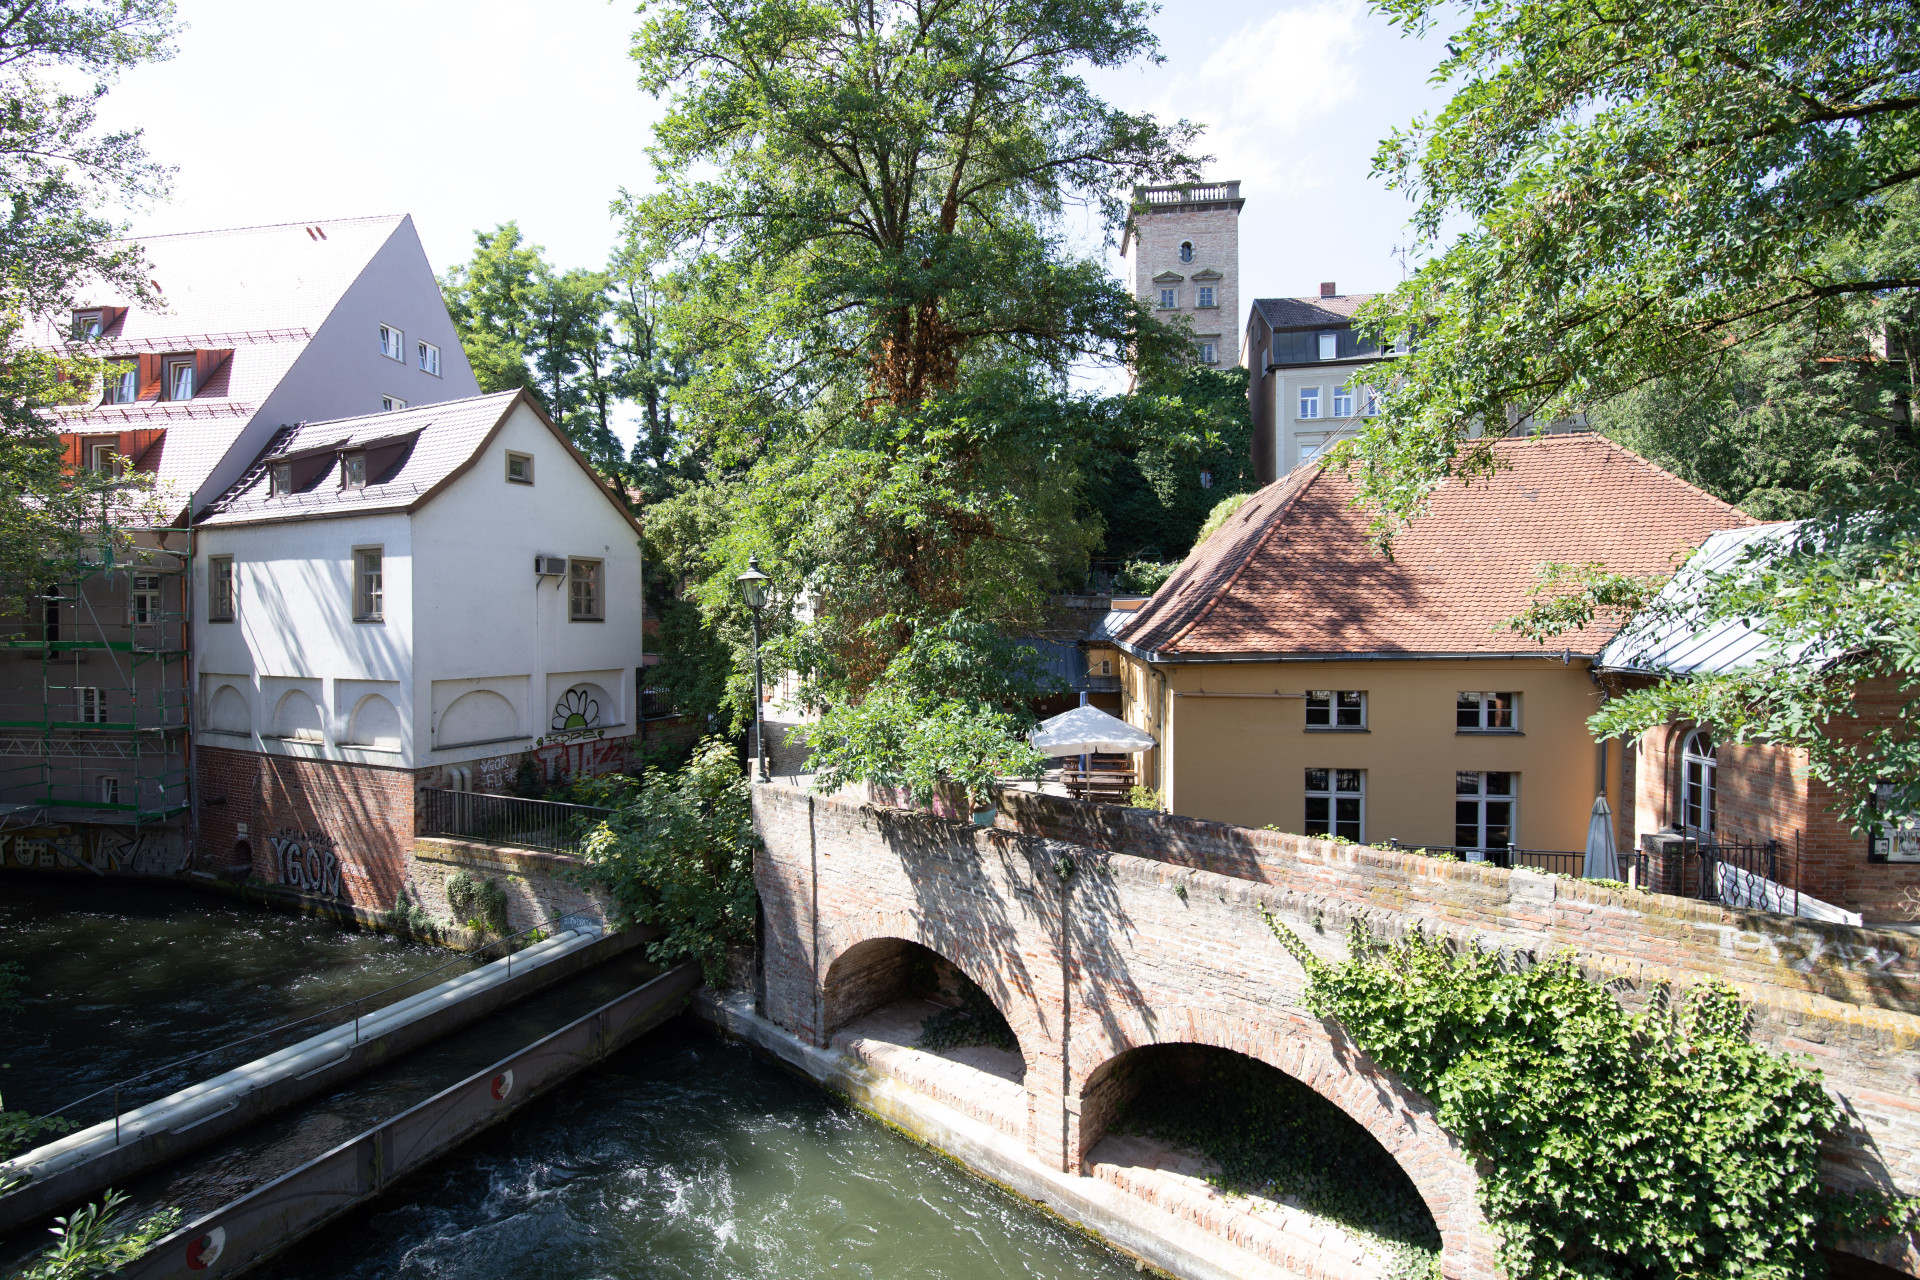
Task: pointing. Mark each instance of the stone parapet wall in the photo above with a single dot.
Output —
(541, 888)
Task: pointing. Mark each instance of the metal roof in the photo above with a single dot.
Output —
(1670, 635)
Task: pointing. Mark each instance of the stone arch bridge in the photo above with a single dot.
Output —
(1098, 931)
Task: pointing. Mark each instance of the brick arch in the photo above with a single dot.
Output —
(1400, 1120)
(1015, 1005)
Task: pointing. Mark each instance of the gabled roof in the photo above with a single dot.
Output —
(437, 443)
(1291, 572)
(1673, 636)
(1311, 313)
(260, 292)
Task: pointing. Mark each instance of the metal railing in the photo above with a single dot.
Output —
(1564, 862)
(510, 820)
(1755, 874)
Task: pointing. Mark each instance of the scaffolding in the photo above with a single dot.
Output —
(95, 699)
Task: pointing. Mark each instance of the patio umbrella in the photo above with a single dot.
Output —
(1603, 860)
(1086, 730)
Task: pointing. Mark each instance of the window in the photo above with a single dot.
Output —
(1206, 295)
(393, 343)
(1484, 809)
(144, 605)
(1186, 251)
(353, 471)
(106, 789)
(1487, 713)
(1169, 298)
(122, 383)
(1311, 444)
(87, 325)
(223, 592)
(1336, 803)
(101, 457)
(520, 468)
(1700, 768)
(179, 379)
(1206, 479)
(1372, 405)
(282, 474)
(1207, 353)
(583, 604)
(1896, 835)
(429, 358)
(1343, 401)
(50, 613)
(1336, 709)
(1309, 402)
(369, 591)
(1329, 345)
(390, 404)
(90, 705)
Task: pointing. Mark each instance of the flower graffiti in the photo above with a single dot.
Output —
(576, 712)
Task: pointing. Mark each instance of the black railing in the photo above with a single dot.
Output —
(508, 820)
(1755, 874)
(1560, 861)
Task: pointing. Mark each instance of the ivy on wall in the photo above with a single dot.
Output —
(1611, 1144)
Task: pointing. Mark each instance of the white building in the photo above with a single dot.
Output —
(418, 598)
(1311, 378)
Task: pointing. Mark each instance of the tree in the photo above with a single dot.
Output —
(864, 200)
(58, 170)
(1710, 202)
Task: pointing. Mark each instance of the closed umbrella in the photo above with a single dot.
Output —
(1603, 860)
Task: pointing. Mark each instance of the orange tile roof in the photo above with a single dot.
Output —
(1291, 572)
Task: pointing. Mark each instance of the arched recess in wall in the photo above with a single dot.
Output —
(297, 718)
(374, 724)
(227, 712)
(879, 970)
(584, 706)
(477, 716)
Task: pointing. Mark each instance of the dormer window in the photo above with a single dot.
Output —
(179, 379)
(88, 325)
(353, 471)
(282, 473)
(1186, 251)
(1329, 345)
(122, 383)
(101, 456)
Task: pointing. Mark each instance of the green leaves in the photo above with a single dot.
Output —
(1611, 1145)
(99, 1240)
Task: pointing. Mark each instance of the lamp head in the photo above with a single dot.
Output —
(754, 584)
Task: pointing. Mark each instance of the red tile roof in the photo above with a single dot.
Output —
(1291, 572)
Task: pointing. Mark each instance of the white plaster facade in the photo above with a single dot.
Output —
(1185, 244)
(475, 654)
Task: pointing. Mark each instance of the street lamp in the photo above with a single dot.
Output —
(753, 588)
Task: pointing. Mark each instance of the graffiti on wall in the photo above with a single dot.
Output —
(108, 850)
(307, 861)
(576, 715)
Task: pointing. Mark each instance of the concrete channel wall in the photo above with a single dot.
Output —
(250, 1229)
(1097, 932)
(68, 1170)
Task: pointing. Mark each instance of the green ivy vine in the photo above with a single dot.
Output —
(1654, 1145)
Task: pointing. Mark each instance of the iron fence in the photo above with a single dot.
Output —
(510, 820)
(1757, 874)
(1559, 861)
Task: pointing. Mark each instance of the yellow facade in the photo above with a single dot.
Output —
(1243, 759)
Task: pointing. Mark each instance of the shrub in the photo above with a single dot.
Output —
(1145, 576)
(477, 903)
(99, 1240)
(1140, 797)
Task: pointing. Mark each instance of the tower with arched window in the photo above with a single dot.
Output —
(1184, 240)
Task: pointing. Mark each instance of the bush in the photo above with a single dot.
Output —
(99, 1240)
(679, 857)
(1145, 576)
(409, 917)
(1139, 797)
(477, 903)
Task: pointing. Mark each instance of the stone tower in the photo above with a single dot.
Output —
(1185, 244)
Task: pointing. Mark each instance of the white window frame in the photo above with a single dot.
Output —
(1486, 710)
(1329, 345)
(1169, 298)
(1343, 400)
(90, 704)
(280, 479)
(353, 470)
(121, 381)
(1338, 709)
(392, 404)
(143, 599)
(1310, 446)
(1308, 404)
(1699, 783)
(179, 377)
(88, 325)
(1480, 798)
(369, 584)
(1333, 791)
(429, 358)
(100, 457)
(1208, 353)
(106, 788)
(526, 459)
(589, 605)
(1206, 296)
(393, 343)
(1896, 836)
(223, 589)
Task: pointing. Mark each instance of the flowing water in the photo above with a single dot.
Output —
(679, 1157)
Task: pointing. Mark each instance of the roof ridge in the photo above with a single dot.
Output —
(412, 408)
(263, 226)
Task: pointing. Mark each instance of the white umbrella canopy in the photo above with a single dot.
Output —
(1086, 730)
(1603, 860)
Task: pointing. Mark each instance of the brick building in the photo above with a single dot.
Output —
(429, 597)
(1185, 245)
(1691, 788)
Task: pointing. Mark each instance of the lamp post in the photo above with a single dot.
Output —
(753, 588)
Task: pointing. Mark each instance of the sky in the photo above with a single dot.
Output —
(471, 113)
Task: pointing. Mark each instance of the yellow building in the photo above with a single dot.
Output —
(1293, 677)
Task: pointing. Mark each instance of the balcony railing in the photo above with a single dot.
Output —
(510, 820)
(1559, 861)
(1194, 192)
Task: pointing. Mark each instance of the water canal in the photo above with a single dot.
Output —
(681, 1157)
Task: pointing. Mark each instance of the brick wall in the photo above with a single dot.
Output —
(1099, 930)
(541, 887)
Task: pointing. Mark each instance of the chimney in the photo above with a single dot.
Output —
(1326, 289)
